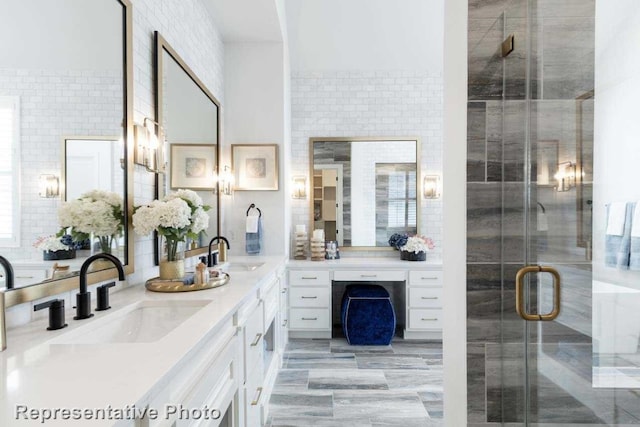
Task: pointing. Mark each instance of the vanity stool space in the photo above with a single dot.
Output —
(311, 306)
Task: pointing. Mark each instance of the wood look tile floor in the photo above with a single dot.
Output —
(329, 383)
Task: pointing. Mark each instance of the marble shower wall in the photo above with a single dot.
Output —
(498, 116)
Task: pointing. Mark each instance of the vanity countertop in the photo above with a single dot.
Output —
(381, 263)
(42, 374)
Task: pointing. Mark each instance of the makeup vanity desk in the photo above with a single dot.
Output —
(315, 291)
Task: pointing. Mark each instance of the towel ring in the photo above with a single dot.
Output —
(253, 206)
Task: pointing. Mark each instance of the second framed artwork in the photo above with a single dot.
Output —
(193, 166)
(255, 166)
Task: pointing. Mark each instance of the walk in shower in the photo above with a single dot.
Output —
(553, 145)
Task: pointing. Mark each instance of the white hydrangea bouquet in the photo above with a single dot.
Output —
(50, 243)
(416, 248)
(95, 212)
(177, 216)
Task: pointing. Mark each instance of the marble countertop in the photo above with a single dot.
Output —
(45, 375)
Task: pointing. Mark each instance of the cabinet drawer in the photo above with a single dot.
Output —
(425, 278)
(310, 318)
(305, 278)
(310, 297)
(364, 276)
(425, 318)
(425, 297)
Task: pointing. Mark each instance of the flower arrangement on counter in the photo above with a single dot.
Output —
(412, 248)
(177, 216)
(96, 212)
(50, 243)
(55, 248)
(418, 244)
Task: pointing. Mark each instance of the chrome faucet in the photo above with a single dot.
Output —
(8, 272)
(222, 250)
(83, 298)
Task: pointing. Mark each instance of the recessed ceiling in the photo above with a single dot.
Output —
(246, 20)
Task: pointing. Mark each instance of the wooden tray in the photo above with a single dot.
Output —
(158, 285)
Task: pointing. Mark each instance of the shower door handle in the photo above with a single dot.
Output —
(520, 306)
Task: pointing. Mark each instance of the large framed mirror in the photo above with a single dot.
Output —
(189, 115)
(363, 190)
(67, 77)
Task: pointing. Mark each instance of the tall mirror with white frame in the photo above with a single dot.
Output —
(189, 117)
(363, 190)
(65, 75)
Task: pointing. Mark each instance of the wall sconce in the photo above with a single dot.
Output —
(225, 182)
(566, 176)
(149, 146)
(49, 186)
(299, 187)
(431, 186)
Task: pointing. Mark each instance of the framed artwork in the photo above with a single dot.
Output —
(255, 166)
(193, 166)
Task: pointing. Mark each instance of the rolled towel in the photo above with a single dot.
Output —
(252, 224)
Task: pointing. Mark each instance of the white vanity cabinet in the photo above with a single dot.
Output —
(424, 304)
(251, 326)
(310, 293)
(310, 303)
(207, 379)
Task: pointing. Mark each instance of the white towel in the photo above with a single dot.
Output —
(252, 224)
(635, 223)
(617, 214)
(543, 224)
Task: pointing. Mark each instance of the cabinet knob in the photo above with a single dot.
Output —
(303, 297)
(309, 318)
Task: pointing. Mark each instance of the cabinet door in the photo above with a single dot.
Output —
(253, 333)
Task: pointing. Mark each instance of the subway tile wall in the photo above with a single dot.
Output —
(369, 103)
(188, 27)
(55, 104)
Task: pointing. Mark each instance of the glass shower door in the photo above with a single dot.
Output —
(578, 289)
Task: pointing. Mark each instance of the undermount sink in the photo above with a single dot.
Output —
(242, 266)
(142, 322)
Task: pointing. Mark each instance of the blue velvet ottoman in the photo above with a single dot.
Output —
(367, 315)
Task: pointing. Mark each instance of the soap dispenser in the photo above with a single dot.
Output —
(202, 274)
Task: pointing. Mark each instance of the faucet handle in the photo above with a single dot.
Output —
(103, 296)
(56, 313)
(213, 258)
